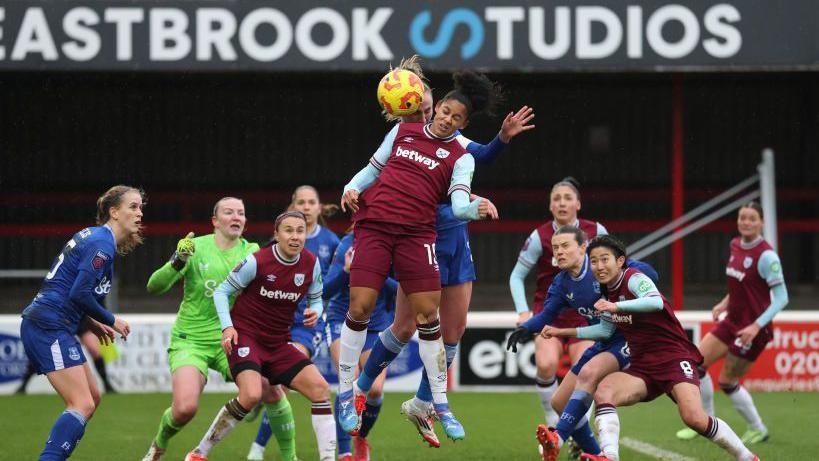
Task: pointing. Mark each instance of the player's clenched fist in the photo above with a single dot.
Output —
(184, 249)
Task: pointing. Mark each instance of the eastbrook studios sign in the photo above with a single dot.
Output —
(366, 35)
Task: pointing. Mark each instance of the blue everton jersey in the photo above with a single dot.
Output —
(579, 293)
(77, 283)
(337, 285)
(322, 243)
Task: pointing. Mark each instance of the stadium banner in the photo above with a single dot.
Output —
(790, 362)
(141, 363)
(367, 35)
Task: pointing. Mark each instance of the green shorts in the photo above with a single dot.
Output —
(183, 352)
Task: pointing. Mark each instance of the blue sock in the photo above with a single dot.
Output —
(64, 437)
(369, 416)
(584, 437)
(572, 423)
(424, 392)
(342, 437)
(265, 432)
(386, 349)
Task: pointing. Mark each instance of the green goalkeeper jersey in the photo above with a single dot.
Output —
(205, 270)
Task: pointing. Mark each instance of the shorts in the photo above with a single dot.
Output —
(310, 338)
(50, 349)
(454, 256)
(379, 246)
(661, 378)
(618, 348)
(335, 334)
(184, 352)
(279, 363)
(726, 331)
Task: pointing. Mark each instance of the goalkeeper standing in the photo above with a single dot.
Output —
(204, 262)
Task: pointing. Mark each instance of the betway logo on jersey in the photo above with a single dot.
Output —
(731, 272)
(415, 156)
(279, 294)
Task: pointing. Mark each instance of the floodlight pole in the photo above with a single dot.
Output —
(767, 185)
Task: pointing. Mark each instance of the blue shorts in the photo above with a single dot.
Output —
(310, 338)
(454, 256)
(50, 350)
(617, 347)
(335, 333)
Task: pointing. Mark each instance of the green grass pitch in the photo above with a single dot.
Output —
(498, 427)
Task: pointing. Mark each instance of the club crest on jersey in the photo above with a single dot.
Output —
(243, 351)
(746, 263)
(554, 261)
(203, 267)
(442, 153)
(73, 353)
(99, 260)
(324, 251)
(596, 286)
(271, 277)
(298, 279)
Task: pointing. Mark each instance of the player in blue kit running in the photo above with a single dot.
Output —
(576, 288)
(322, 242)
(72, 295)
(457, 271)
(336, 286)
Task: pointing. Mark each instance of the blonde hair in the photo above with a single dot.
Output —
(112, 198)
(327, 210)
(219, 202)
(412, 64)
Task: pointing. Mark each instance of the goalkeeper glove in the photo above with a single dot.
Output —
(184, 249)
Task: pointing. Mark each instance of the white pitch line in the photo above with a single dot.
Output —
(653, 451)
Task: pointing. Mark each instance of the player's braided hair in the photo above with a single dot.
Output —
(112, 198)
(475, 91)
(607, 241)
(579, 235)
(412, 64)
(569, 182)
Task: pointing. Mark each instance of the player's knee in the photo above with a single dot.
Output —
(546, 370)
(695, 418)
(320, 392)
(85, 405)
(96, 397)
(250, 397)
(453, 334)
(403, 332)
(185, 411)
(604, 393)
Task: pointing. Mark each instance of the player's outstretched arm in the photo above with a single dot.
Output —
(171, 272)
(599, 332)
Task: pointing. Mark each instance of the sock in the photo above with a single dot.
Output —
(608, 429)
(545, 390)
(424, 392)
(342, 437)
(744, 404)
(167, 429)
(386, 349)
(369, 416)
(265, 432)
(720, 432)
(573, 421)
(433, 356)
(353, 335)
(64, 437)
(99, 364)
(228, 417)
(281, 423)
(324, 427)
(584, 437)
(707, 393)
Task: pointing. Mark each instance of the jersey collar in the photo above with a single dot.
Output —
(113, 237)
(315, 231)
(282, 259)
(583, 271)
(752, 244)
(616, 285)
(431, 135)
(576, 224)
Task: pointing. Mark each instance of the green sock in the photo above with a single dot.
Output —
(167, 429)
(283, 425)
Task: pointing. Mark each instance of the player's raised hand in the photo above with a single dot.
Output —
(229, 339)
(487, 209)
(122, 327)
(310, 318)
(604, 305)
(186, 247)
(520, 335)
(348, 259)
(350, 199)
(516, 123)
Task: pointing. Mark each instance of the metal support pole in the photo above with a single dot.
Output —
(767, 184)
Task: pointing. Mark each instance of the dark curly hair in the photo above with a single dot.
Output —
(476, 92)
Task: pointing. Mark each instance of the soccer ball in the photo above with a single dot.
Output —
(400, 92)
